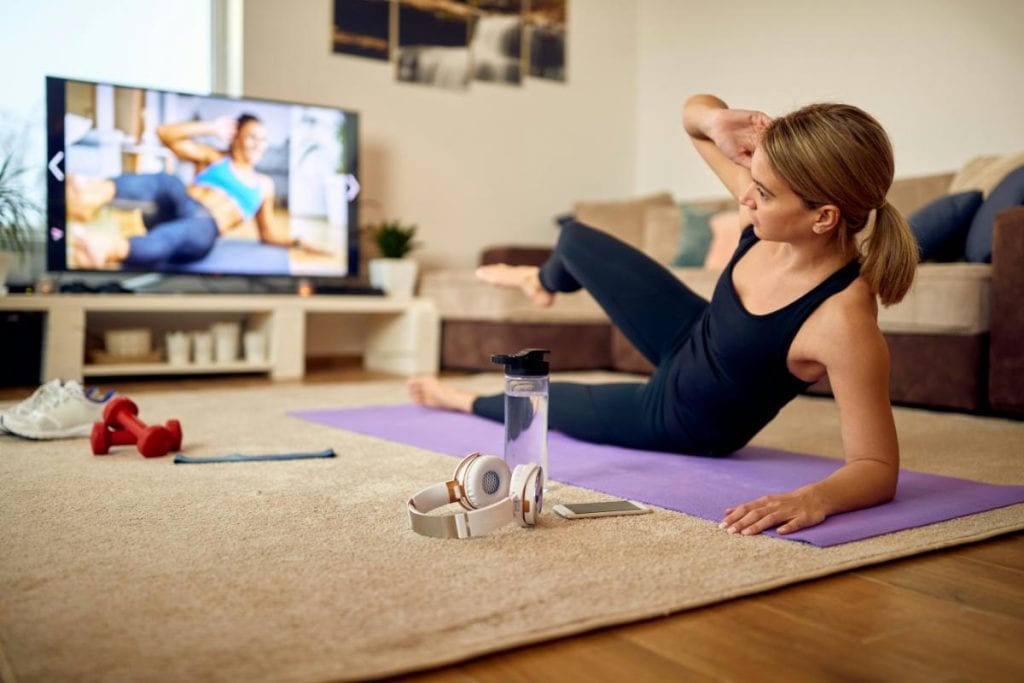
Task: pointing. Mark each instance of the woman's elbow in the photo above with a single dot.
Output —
(889, 483)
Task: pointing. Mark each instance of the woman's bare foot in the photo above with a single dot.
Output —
(85, 196)
(429, 391)
(96, 249)
(526, 278)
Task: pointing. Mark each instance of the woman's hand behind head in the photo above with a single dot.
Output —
(737, 131)
(225, 127)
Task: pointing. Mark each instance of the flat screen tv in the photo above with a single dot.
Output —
(150, 181)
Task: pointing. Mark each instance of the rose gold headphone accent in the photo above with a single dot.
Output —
(459, 477)
(454, 491)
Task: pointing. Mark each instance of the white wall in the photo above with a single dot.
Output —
(943, 76)
(490, 165)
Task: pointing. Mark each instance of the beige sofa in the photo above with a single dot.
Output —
(955, 339)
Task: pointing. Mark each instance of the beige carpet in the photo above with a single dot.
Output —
(121, 568)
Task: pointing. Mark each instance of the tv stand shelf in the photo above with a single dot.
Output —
(402, 336)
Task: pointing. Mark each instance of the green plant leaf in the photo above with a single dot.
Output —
(18, 213)
(394, 239)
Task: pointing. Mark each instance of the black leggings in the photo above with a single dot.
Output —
(652, 308)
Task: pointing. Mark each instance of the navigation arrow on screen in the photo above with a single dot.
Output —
(54, 166)
(351, 187)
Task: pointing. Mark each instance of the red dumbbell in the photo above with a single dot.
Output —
(152, 441)
(102, 438)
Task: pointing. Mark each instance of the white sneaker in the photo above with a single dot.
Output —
(29, 404)
(58, 414)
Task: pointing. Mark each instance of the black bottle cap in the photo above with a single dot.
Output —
(528, 362)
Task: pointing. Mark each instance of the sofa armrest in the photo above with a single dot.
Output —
(1006, 353)
(515, 255)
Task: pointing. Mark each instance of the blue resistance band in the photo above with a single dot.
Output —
(238, 457)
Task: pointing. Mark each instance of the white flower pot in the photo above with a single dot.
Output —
(396, 276)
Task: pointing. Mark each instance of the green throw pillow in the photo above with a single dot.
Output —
(694, 236)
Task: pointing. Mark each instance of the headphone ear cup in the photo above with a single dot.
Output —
(527, 492)
(485, 481)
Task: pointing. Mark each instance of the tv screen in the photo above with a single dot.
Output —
(143, 180)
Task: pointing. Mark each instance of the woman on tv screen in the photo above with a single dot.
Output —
(183, 222)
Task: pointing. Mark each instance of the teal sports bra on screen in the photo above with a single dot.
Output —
(220, 175)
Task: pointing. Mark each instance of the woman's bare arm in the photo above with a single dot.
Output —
(179, 138)
(725, 138)
(853, 350)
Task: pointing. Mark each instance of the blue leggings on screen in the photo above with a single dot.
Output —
(179, 229)
(649, 305)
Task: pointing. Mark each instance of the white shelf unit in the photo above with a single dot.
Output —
(402, 336)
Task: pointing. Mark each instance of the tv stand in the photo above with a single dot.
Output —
(400, 336)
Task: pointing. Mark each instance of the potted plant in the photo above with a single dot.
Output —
(392, 272)
(17, 214)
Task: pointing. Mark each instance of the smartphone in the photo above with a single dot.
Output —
(610, 508)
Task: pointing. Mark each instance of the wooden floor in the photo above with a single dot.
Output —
(954, 615)
(951, 615)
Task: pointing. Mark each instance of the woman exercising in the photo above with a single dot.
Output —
(183, 223)
(796, 302)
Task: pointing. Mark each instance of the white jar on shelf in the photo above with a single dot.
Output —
(254, 346)
(202, 348)
(225, 341)
(178, 344)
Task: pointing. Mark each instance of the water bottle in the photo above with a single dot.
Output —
(526, 408)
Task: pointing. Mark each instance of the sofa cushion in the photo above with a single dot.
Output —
(1007, 194)
(946, 298)
(459, 295)
(725, 237)
(623, 218)
(985, 172)
(662, 226)
(661, 233)
(910, 194)
(940, 227)
(694, 236)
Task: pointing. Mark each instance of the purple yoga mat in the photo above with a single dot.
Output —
(703, 487)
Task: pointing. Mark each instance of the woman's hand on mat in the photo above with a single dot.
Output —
(788, 511)
(737, 132)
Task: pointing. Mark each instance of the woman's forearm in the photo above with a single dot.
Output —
(169, 133)
(697, 113)
(857, 484)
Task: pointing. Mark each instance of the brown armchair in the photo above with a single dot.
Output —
(1006, 346)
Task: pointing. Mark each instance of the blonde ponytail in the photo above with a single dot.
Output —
(889, 256)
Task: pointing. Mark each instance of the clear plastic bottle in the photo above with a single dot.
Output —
(526, 408)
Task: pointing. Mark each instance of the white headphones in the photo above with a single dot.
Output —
(483, 486)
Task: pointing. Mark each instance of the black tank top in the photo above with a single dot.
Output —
(731, 378)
